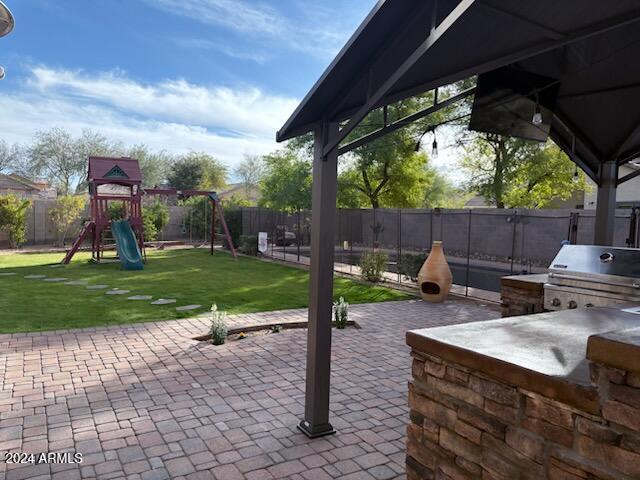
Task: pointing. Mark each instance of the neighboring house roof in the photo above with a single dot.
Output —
(17, 183)
(118, 170)
(478, 201)
(239, 190)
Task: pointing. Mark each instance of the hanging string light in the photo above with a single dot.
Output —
(434, 145)
(537, 114)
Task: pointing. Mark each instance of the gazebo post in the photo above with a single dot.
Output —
(606, 204)
(323, 198)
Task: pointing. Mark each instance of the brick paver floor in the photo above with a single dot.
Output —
(147, 402)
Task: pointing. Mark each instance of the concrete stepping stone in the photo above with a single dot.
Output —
(7, 274)
(187, 307)
(97, 287)
(55, 279)
(164, 301)
(35, 276)
(116, 291)
(77, 282)
(140, 297)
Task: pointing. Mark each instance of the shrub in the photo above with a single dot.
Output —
(372, 266)
(340, 313)
(13, 217)
(149, 227)
(249, 245)
(115, 210)
(66, 212)
(409, 265)
(158, 213)
(219, 327)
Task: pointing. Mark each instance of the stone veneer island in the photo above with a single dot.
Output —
(548, 396)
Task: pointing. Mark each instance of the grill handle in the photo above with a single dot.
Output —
(593, 280)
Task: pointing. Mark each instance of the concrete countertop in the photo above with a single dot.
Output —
(534, 281)
(543, 353)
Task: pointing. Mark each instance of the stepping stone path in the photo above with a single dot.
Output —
(187, 307)
(7, 274)
(97, 287)
(76, 282)
(57, 279)
(164, 301)
(35, 276)
(116, 291)
(140, 297)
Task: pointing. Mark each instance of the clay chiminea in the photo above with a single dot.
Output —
(434, 278)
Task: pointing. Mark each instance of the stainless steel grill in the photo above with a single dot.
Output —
(591, 276)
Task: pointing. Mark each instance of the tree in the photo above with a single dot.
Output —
(286, 184)
(62, 159)
(197, 170)
(158, 214)
(13, 216)
(518, 173)
(10, 156)
(66, 212)
(155, 166)
(249, 172)
(440, 193)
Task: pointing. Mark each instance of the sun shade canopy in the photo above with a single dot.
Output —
(404, 48)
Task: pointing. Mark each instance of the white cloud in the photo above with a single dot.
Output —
(321, 34)
(201, 44)
(174, 115)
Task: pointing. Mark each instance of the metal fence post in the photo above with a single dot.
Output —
(466, 289)
(399, 245)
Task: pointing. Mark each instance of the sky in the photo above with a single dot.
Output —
(219, 76)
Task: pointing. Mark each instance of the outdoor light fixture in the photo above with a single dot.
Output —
(576, 176)
(537, 114)
(6, 20)
(6, 25)
(434, 146)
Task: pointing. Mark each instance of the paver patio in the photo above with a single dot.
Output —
(147, 402)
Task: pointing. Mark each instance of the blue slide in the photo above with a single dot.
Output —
(127, 245)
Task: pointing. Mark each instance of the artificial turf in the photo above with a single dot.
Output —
(191, 276)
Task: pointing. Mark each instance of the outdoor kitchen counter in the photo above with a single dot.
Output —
(543, 353)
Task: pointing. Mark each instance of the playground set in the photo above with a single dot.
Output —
(120, 180)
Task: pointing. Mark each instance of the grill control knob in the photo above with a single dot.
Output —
(556, 302)
(589, 305)
(573, 304)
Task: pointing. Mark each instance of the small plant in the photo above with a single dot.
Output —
(340, 313)
(276, 328)
(219, 327)
(372, 266)
(409, 265)
(242, 336)
(249, 244)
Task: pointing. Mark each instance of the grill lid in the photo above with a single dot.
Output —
(609, 269)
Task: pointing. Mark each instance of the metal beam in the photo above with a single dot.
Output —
(323, 212)
(633, 133)
(566, 148)
(580, 137)
(417, 54)
(599, 91)
(508, 58)
(629, 176)
(406, 25)
(403, 122)
(526, 22)
(606, 204)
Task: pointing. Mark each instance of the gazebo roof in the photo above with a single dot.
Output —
(122, 170)
(590, 46)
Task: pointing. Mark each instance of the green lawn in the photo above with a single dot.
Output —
(190, 276)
